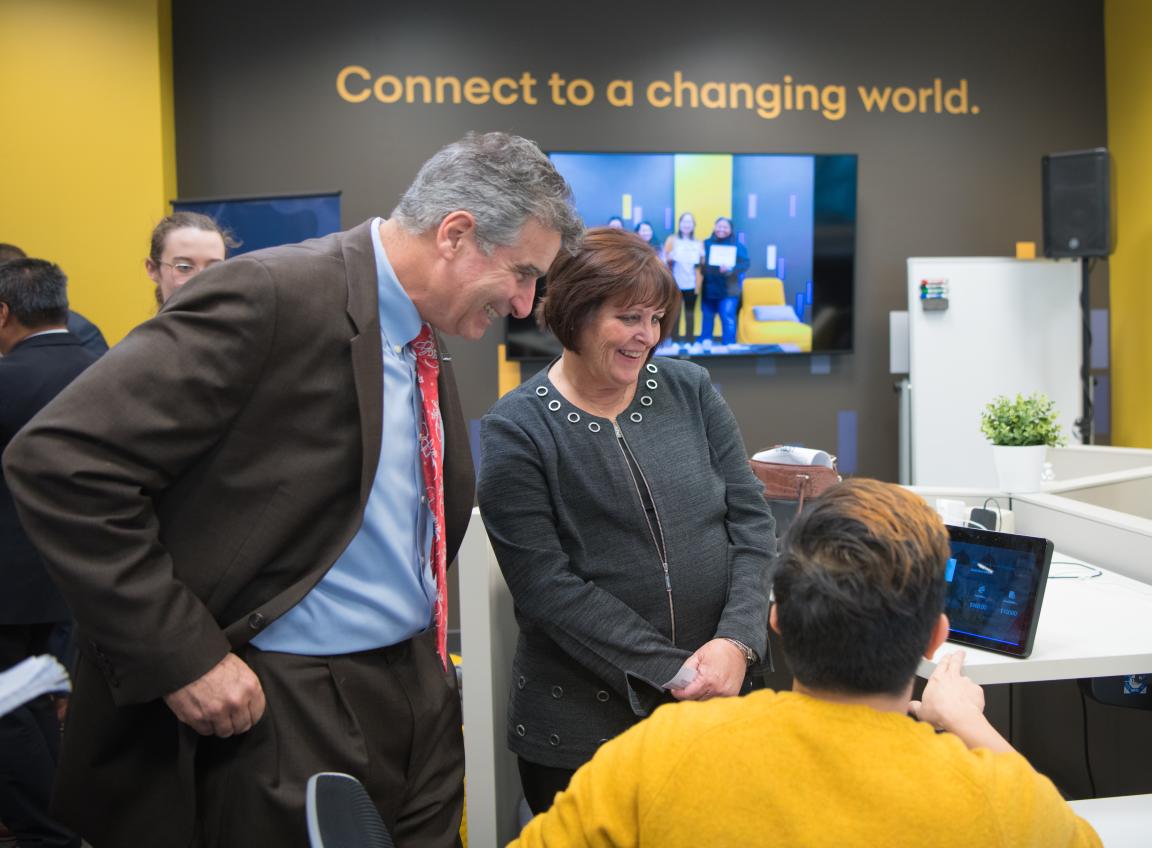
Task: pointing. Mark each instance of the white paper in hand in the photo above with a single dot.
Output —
(682, 678)
(722, 255)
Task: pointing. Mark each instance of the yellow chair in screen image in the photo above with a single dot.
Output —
(766, 319)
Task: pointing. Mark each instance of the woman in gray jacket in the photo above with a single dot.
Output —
(629, 527)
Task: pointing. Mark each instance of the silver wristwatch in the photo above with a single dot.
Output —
(749, 655)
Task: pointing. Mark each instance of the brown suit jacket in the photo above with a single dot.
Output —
(192, 486)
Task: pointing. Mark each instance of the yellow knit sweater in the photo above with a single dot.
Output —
(783, 769)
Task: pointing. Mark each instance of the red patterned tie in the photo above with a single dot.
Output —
(432, 460)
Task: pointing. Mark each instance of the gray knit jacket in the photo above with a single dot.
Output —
(568, 527)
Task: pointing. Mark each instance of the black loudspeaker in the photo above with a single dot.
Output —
(1077, 204)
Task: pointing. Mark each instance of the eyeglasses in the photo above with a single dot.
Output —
(185, 268)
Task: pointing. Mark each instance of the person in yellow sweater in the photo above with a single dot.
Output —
(839, 760)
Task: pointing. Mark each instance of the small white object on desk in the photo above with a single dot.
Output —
(952, 511)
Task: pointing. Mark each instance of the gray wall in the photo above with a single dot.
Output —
(257, 112)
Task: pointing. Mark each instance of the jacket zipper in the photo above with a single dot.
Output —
(661, 550)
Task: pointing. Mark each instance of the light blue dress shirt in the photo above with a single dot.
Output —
(381, 590)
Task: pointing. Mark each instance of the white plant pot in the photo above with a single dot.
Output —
(1019, 469)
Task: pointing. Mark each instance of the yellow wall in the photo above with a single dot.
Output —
(86, 142)
(1128, 42)
(703, 182)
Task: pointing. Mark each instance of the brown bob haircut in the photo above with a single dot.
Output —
(610, 266)
(859, 587)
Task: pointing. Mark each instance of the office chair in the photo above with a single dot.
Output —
(1133, 691)
(785, 328)
(341, 815)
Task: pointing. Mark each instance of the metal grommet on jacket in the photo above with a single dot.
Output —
(256, 621)
(520, 681)
(602, 696)
(557, 692)
(519, 730)
(554, 740)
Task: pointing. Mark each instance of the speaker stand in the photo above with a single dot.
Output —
(1084, 423)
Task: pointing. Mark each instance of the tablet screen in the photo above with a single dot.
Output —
(995, 588)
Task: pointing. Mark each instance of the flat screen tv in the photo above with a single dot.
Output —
(259, 222)
(794, 215)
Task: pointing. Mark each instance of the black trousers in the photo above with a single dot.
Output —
(389, 717)
(688, 310)
(541, 784)
(29, 750)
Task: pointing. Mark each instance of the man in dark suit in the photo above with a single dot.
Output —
(236, 503)
(88, 333)
(39, 358)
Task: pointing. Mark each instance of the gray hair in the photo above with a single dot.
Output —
(502, 180)
(36, 292)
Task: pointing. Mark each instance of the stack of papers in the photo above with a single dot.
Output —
(30, 679)
(793, 455)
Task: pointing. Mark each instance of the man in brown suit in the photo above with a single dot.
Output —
(232, 503)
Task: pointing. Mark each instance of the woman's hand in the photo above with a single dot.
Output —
(720, 668)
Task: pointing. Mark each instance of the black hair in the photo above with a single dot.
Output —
(860, 587)
(36, 292)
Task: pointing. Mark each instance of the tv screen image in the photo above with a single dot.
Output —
(259, 222)
(793, 214)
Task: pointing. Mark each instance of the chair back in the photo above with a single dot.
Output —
(763, 291)
(341, 815)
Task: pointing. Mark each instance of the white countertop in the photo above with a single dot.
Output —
(1122, 822)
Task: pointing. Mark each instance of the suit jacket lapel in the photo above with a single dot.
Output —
(367, 366)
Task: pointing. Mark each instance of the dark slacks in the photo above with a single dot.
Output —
(389, 717)
(29, 749)
(726, 308)
(688, 311)
(541, 784)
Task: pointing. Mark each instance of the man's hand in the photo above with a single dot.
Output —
(949, 697)
(720, 668)
(225, 701)
(954, 703)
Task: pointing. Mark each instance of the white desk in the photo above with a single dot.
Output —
(1122, 822)
(1088, 628)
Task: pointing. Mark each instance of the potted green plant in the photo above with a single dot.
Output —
(1021, 430)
